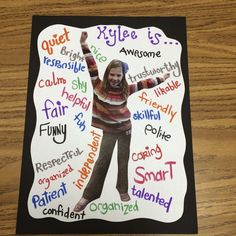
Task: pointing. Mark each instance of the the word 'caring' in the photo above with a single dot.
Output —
(155, 152)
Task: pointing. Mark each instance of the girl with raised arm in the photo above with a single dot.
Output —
(110, 113)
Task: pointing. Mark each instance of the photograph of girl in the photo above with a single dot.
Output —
(110, 114)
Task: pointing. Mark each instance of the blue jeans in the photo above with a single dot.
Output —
(94, 187)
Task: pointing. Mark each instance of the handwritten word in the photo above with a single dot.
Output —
(167, 110)
(142, 194)
(98, 55)
(103, 208)
(147, 114)
(47, 197)
(160, 175)
(112, 36)
(75, 66)
(80, 122)
(54, 131)
(57, 111)
(167, 67)
(80, 85)
(154, 38)
(56, 40)
(54, 177)
(76, 100)
(49, 83)
(173, 85)
(66, 214)
(68, 155)
(86, 169)
(148, 153)
(71, 54)
(158, 133)
(140, 54)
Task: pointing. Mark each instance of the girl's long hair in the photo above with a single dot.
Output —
(124, 84)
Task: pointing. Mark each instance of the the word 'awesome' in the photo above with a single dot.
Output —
(140, 54)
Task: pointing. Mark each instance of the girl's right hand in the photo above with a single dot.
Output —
(83, 37)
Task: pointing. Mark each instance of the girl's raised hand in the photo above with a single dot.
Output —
(83, 37)
(166, 76)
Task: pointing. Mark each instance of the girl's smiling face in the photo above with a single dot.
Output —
(115, 77)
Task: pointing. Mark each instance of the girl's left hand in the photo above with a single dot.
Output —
(166, 76)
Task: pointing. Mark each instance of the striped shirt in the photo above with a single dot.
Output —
(110, 112)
